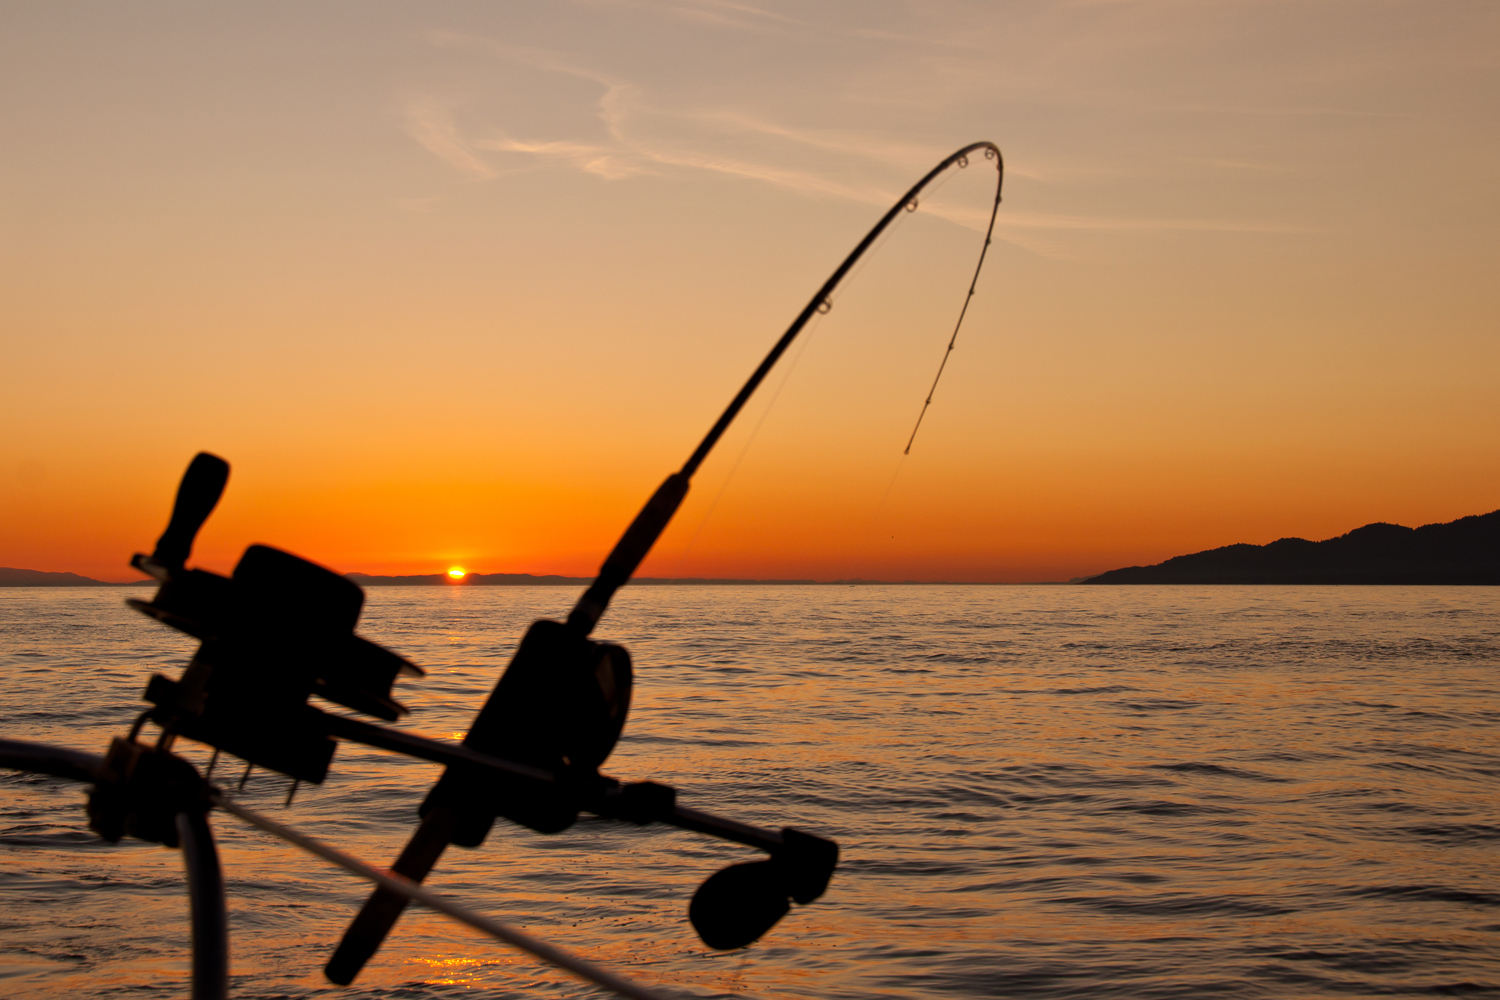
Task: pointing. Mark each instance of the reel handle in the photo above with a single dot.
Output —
(197, 495)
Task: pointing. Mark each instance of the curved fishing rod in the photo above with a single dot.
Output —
(531, 755)
(562, 702)
(657, 513)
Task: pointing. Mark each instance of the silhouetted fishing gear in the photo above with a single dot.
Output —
(151, 795)
(654, 517)
(562, 701)
(280, 629)
(411, 891)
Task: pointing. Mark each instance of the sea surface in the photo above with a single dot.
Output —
(1045, 791)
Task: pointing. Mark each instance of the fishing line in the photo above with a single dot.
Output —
(745, 449)
(875, 248)
(964, 311)
(900, 464)
(792, 367)
(807, 340)
(820, 302)
(901, 461)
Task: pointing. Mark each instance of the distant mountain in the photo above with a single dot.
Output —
(1466, 551)
(36, 578)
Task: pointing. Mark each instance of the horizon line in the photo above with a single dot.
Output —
(50, 578)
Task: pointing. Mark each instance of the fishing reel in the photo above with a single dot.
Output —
(560, 706)
(276, 632)
(280, 629)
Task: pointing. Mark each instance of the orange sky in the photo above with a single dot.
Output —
(460, 283)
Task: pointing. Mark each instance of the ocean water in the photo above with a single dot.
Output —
(1042, 791)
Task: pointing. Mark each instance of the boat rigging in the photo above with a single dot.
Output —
(280, 629)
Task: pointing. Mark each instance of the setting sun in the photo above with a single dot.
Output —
(457, 574)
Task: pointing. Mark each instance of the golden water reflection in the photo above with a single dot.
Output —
(1037, 792)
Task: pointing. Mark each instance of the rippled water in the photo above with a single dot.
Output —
(1039, 792)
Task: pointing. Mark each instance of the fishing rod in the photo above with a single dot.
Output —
(556, 663)
(280, 629)
(657, 514)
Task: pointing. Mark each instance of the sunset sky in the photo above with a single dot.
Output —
(460, 283)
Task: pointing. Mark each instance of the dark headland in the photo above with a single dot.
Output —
(11, 577)
(1466, 551)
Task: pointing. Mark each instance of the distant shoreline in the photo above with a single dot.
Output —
(1465, 552)
(529, 580)
(10, 577)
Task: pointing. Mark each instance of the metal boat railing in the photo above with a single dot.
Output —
(208, 915)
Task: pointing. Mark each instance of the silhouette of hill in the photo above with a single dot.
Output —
(1466, 551)
(10, 577)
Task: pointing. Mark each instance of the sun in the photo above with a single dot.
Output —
(457, 573)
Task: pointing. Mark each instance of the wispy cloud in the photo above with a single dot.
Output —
(431, 124)
(724, 14)
(1097, 223)
(600, 160)
(1223, 164)
(635, 133)
(635, 141)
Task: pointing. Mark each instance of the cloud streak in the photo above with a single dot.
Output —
(432, 125)
(628, 148)
(636, 135)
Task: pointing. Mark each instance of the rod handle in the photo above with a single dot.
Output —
(629, 551)
(381, 911)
